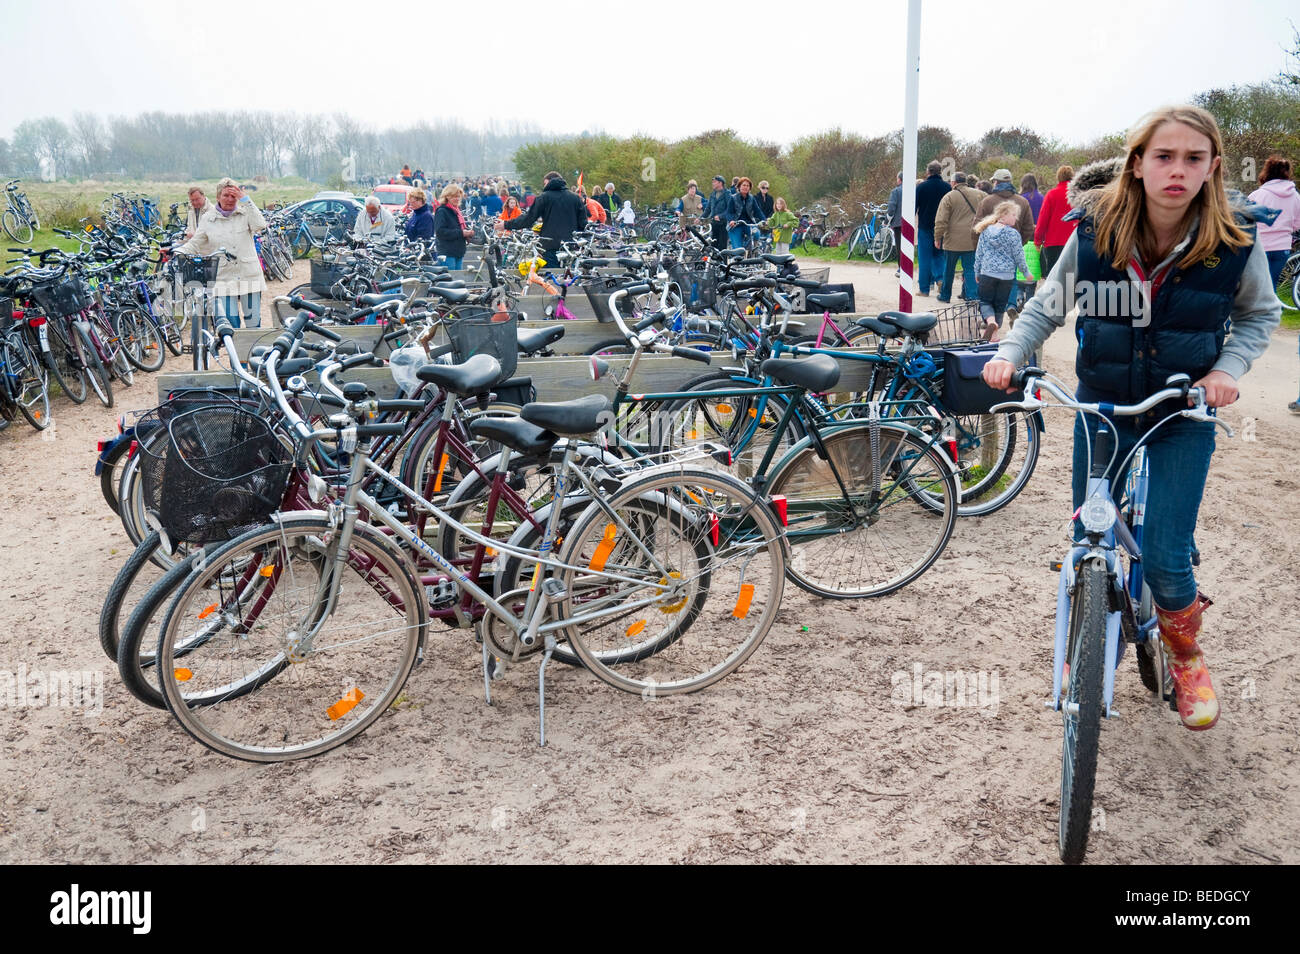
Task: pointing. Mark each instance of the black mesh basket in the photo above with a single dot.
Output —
(221, 469)
(325, 274)
(698, 282)
(6, 311)
(481, 331)
(199, 268)
(599, 292)
(65, 298)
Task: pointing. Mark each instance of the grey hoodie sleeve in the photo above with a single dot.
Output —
(1256, 312)
(1043, 313)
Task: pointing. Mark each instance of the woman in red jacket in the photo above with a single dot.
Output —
(1051, 234)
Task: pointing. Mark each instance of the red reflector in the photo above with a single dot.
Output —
(131, 450)
(952, 451)
(781, 505)
(99, 446)
(713, 528)
(34, 322)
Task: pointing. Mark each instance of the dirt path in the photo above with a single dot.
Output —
(811, 752)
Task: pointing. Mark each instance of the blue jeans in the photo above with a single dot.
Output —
(738, 236)
(453, 263)
(1275, 262)
(969, 287)
(927, 273)
(1179, 457)
(230, 306)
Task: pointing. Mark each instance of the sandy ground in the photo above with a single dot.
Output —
(808, 753)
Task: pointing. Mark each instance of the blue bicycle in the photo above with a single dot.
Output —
(1101, 599)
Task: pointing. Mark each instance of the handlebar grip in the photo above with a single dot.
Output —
(303, 305)
(648, 320)
(324, 332)
(357, 359)
(692, 354)
(1102, 448)
(390, 285)
(394, 335)
(404, 405)
(324, 397)
(639, 289)
(1019, 376)
(296, 325)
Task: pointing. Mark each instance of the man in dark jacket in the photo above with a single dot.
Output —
(717, 209)
(928, 196)
(561, 211)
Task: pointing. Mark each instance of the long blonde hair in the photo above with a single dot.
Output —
(999, 210)
(1122, 227)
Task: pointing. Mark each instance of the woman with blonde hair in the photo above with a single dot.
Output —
(1200, 304)
(782, 222)
(997, 257)
(450, 230)
(230, 225)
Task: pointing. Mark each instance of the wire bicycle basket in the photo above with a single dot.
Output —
(480, 331)
(65, 298)
(221, 468)
(199, 268)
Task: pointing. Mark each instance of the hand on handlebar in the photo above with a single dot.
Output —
(997, 375)
(1220, 389)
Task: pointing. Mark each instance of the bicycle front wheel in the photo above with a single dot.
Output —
(678, 579)
(867, 533)
(256, 664)
(29, 381)
(140, 340)
(92, 365)
(1081, 709)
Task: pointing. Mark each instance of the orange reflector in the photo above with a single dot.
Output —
(743, 600)
(635, 628)
(723, 408)
(603, 549)
(208, 611)
(346, 704)
(753, 412)
(781, 504)
(692, 434)
(442, 466)
(183, 675)
(489, 552)
(267, 570)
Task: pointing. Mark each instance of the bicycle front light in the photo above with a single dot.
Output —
(1097, 515)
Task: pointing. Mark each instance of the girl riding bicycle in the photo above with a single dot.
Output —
(1168, 279)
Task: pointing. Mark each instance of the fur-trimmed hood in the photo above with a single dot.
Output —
(1086, 188)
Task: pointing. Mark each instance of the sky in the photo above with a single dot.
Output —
(775, 71)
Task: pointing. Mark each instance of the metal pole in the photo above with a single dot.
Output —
(907, 249)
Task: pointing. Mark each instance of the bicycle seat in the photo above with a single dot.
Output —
(515, 433)
(475, 376)
(917, 324)
(453, 296)
(378, 298)
(535, 339)
(879, 327)
(775, 259)
(581, 416)
(819, 372)
(830, 301)
(449, 283)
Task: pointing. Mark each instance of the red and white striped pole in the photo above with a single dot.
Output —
(907, 250)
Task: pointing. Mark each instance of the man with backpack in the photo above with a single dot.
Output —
(954, 235)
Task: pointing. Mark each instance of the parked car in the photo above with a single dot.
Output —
(394, 197)
(339, 208)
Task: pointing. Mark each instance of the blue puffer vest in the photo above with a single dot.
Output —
(1121, 363)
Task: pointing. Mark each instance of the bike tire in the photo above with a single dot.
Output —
(115, 602)
(29, 381)
(838, 551)
(245, 687)
(93, 366)
(138, 634)
(140, 340)
(61, 362)
(710, 534)
(18, 227)
(1083, 693)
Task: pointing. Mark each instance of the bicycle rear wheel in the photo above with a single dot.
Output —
(256, 666)
(695, 563)
(62, 362)
(872, 541)
(18, 227)
(29, 380)
(1081, 708)
(139, 340)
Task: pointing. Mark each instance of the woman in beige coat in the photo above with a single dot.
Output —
(230, 225)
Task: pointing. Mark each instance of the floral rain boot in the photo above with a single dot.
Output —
(1198, 706)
